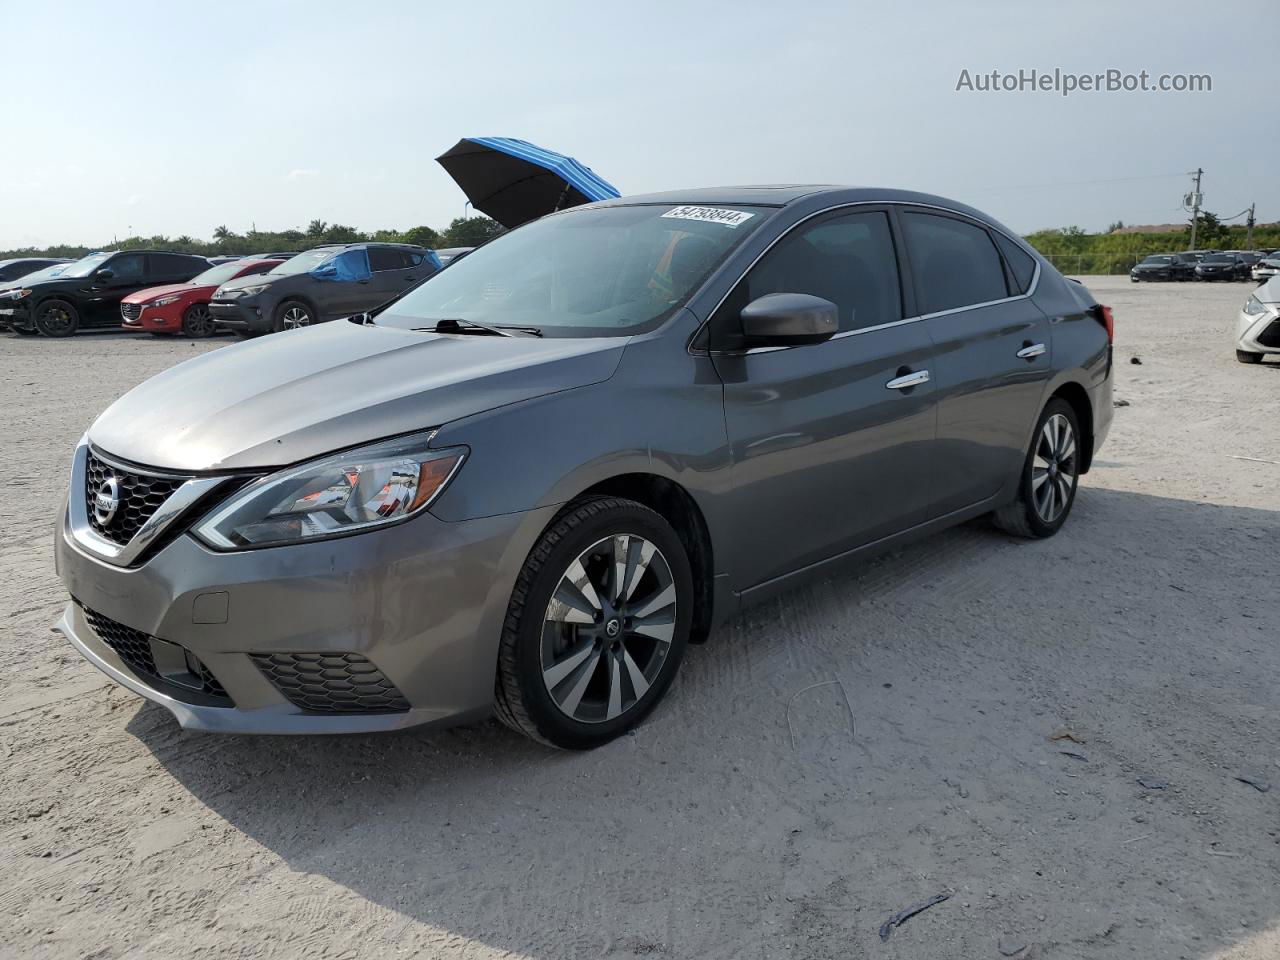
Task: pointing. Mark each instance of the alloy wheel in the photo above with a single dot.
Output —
(295, 317)
(55, 321)
(199, 321)
(1053, 469)
(608, 628)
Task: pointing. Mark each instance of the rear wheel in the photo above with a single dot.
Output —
(293, 314)
(57, 318)
(1047, 487)
(197, 322)
(596, 627)
(1244, 356)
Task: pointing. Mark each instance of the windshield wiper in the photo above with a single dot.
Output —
(455, 325)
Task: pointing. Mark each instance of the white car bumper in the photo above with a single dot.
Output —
(1259, 332)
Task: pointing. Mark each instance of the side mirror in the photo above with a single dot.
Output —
(106, 273)
(326, 271)
(788, 320)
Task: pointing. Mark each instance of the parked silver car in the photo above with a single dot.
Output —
(531, 481)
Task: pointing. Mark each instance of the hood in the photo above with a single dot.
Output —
(255, 280)
(296, 395)
(1269, 292)
(151, 293)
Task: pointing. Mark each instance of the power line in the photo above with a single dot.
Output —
(1082, 183)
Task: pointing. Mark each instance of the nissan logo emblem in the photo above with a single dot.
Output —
(106, 501)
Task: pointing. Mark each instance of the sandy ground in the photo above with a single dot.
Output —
(759, 813)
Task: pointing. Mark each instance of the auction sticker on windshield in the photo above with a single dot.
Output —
(729, 218)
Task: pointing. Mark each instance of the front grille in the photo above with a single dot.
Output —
(135, 649)
(131, 311)
(140, 496)
(331, 682)
(1270, 337)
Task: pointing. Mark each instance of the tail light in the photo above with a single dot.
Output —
(1103, 315)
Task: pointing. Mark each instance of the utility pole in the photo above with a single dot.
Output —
(1195, 205)
(1248, 243)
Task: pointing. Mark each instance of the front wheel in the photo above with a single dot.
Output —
(597, 625)
(197, 322)
(57, 318)
(293, 314)
(1050, 474)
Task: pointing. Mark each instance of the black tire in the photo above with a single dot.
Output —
(1025, 517)
(1244, 356)
(197, 322)
(523, 700)
(57, 318)
(287, 316)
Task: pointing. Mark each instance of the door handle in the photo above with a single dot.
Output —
(1031, 350)
(909, 380)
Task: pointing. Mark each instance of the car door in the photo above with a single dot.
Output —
(831, 442)
(994, 351)
(350, 290)
(101, 295)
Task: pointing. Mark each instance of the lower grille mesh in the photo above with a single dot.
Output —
(133, 647)
(331, 682)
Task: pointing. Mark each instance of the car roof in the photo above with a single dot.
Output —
(816, 194)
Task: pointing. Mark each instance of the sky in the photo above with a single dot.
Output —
(172, 118)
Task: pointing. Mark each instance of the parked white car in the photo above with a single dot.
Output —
(1267, 267)
(1258, 327)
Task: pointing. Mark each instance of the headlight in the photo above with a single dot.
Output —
(249, 291)
(19, 294)
(345, 493)
(165, 301)
(1254, 307)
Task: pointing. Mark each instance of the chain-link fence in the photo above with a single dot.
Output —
(1086, 263)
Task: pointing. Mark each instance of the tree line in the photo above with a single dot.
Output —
(462, 232)
(1074, 249)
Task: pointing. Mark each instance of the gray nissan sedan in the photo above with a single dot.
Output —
(527, 484)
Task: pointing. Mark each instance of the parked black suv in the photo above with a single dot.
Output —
(1222, 266)
(325, 283)
(60, 300)
(19, 267)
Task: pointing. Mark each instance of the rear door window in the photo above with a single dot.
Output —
(386, 258)
(955, 262)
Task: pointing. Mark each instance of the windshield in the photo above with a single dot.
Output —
(605, 272)
(1158, 260)
(305, 261)
(1219, 258)
(217, 276)
(48, 273)
(82, 268)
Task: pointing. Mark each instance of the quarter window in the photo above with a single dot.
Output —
(846, 259)
(955, 262)
(1021, 264)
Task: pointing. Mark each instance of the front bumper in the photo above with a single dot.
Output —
(1259, 333)
(166, 319)
(422, 601)
(240, 316)
(15, 316)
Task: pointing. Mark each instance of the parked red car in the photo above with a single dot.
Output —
(184, 307)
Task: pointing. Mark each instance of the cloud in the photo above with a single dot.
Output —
(302, 173)
(134, 200)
